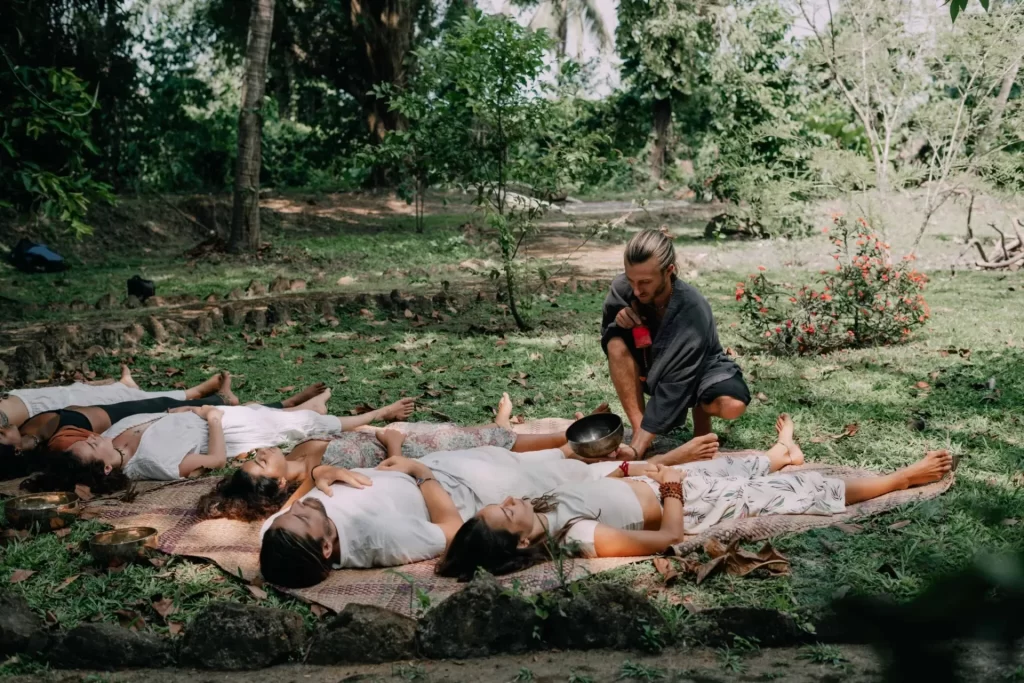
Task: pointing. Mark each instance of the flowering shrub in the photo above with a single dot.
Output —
(867, 300)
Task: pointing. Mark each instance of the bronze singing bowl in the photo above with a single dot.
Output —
(50, 511)
(122, 545)
(595, 436)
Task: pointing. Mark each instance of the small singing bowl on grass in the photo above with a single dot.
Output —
(595, 436)
(123, 545)
(44, 511)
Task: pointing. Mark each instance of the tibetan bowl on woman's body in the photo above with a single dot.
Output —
(595, 436)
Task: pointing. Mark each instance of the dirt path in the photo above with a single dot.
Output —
(846, 663)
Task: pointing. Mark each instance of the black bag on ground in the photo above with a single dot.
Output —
(30, 257)
(140, 288)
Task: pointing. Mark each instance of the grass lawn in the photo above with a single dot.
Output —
(974, 342)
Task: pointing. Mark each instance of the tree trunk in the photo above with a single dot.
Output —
(998, 107)
(245, 216)
(662, 134)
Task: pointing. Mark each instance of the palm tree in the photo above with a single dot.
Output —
(556, 15)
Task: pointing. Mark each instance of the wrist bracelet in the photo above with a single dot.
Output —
(624, 466)
(671, 489)
(423, 480)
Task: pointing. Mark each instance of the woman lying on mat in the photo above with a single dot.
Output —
(646, 514)
(173, 446)
(262, 485)
(19, 405)
(37, 431)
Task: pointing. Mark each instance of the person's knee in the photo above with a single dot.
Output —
(726, 408)
(617, 350)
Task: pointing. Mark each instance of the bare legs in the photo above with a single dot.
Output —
(312, 391)
(210, 386)
(723, 407)
(931, 468)
(626, 378)
(399, 410)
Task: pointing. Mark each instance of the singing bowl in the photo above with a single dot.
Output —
(122, 545)
(595, 436)
(50, 511)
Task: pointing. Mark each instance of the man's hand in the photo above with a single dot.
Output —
(325, 475)
(627, 319)
(400, 463)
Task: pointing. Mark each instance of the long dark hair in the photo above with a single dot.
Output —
(244, 497)
(477, 546)
(63, 471)
(292, 561)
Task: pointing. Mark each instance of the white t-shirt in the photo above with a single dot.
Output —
(387, 524)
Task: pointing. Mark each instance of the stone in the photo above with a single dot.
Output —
(346, 280)
(364, 634)
(256, 319)
(278, 314)
(235, 294)
(770, 627)
(133, 302)
(216, 318)
(212, 298)
(297, 286)
(480, 620)
(105, 302)
(157, 329)
(95, 351)
(280, 285)
(201, 325)
(233, 315)
(604, 615)
(21, 629)
(256, 288)
(110, 337)
(227, 636)
(31, 363)
(133, 334)
(4, 370)
(175, 328)
(108, 647)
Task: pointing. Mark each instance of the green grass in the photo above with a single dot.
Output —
(459, 373)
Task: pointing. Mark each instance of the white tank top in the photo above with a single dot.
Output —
(604, 501)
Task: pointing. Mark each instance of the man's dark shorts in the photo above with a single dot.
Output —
(734, 387)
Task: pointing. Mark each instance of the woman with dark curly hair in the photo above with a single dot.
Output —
(263, 485)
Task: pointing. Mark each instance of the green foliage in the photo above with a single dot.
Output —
(636, 671)
(819, 653)
(44, 146)
(866, 301)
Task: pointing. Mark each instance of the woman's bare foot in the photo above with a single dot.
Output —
(932, 467)
(225, 390)
(601, 408)
(399, 410)
(126, 377)
(698, 448)
(785, 427)
(312, 391)
(503, 418)
(318, 404)
(207, 388)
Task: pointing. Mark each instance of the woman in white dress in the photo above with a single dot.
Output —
(625, 515)
(173, 446)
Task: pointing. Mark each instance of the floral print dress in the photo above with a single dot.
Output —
(362, 449)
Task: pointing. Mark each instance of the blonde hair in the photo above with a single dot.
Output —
(648, 244)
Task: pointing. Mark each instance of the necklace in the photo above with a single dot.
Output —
(120, 453)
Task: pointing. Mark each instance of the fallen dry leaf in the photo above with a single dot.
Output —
(84, 492)
(899, 525)
(61, 533)
(851, 529)
(164, 607)
(1009, 522)
(666, 568)
(361, 409)
(761, 396)
(11, 535)
(20, 575)
(130, 619)
(175, 628)
(257, 592)
(922, 385)
(318, 610)
(66, 582)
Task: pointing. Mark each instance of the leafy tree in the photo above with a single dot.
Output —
(44, 145)
(555, 16)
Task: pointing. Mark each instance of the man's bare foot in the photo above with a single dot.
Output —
(225, 390)
(318, 404)
(503, 415)
(207, 388)
(312, 391)
(391, 438)
(601, 408)
(785, 427)
(126, 377)
(698, 448)
(399, 410)
(932, 467)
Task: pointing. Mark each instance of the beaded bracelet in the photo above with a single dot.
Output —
(624, 466)
(671, 489)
